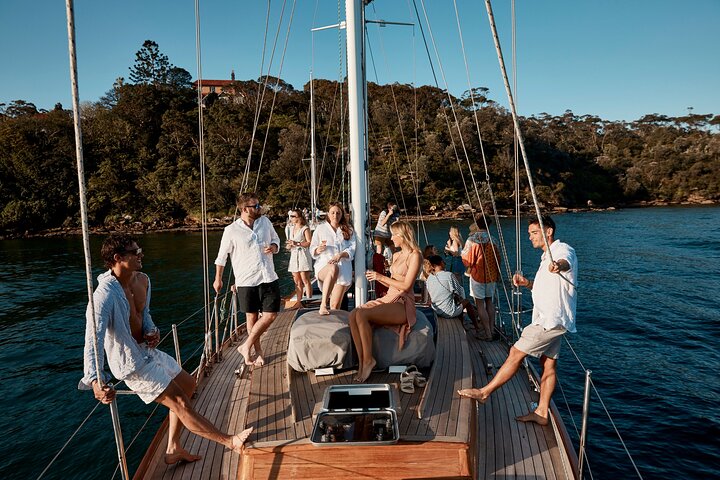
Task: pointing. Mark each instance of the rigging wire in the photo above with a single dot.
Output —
(140, 430)
(450, 131)
(275, 93)
(203, 181)
(491, 195)
(414, 177)
(445, 90)
(62, 449)
(521, 141)
(262, 88)
(517, 290)
(602, 403)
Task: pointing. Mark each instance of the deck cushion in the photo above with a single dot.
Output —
(419, 347)
(319, 341)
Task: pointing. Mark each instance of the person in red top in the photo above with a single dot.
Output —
(480, 257)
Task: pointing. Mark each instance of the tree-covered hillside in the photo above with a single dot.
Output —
(142, 157)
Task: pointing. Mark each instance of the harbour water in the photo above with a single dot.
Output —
(648, 328)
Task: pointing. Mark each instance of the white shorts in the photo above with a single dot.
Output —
(153, 378)
(536, 341)
(482, 290)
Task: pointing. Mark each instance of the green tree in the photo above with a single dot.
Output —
(151, 66)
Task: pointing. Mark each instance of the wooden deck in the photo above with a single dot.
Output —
(434, 422)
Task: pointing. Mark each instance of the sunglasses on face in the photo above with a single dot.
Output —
(132, 251)
(257, 206)
(293, 216)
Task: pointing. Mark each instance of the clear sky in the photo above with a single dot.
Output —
(618, 59)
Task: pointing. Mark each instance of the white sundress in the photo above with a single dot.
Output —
(300, 259)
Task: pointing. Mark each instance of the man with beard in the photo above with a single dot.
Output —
(127, 335)
(251, 242)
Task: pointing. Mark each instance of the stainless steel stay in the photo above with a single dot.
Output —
(583, 431)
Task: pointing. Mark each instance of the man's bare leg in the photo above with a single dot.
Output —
(547, 387)
(251, 319)
(174, 452)
(506, 372)
(179, 403)
(254, 339)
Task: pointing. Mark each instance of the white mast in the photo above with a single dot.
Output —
(357, 102)
(313, 174)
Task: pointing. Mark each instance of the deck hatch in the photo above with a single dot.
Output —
(357, 415)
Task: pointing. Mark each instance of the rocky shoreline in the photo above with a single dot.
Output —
(191, 224)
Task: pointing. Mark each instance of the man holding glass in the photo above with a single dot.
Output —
(251, 242)
(127, 335)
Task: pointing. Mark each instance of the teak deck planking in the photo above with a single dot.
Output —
(280, 404)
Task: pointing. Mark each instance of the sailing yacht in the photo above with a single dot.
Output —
(430, 432)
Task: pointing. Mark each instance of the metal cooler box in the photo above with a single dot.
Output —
(357, 415)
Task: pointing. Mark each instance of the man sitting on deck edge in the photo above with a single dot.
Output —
(126, 333)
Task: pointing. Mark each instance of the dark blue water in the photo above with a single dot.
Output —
(648, 328)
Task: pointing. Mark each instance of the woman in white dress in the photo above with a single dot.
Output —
(333, 249)
(300, 264)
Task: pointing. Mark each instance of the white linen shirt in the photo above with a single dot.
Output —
(555, 299)
(335, 243)
(245, 246)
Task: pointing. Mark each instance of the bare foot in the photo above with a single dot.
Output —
(324, 311)
(366, 370)
(259, 361)
(180, 455)
(474, 393)
(245, 352)
(239, 440)
(533, 418)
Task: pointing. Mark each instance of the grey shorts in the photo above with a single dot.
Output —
(482, 290)
(536, 341)
(152, 379)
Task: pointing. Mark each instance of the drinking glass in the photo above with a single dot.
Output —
(152, 333)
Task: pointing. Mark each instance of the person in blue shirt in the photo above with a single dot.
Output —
(447, 296)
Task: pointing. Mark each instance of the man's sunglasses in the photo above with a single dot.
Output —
(257, 206)
(133, 251)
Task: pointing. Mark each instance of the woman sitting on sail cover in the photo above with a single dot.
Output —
(333, 248)
(300, 264)
(396, 309)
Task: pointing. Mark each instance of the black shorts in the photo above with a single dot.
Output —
(263, 298)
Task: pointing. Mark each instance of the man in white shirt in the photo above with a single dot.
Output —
(251, 242)
(554, 295)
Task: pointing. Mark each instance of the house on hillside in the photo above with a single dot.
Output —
(224, 89)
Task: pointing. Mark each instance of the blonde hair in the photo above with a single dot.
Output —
(455, 235)
(406, 232)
